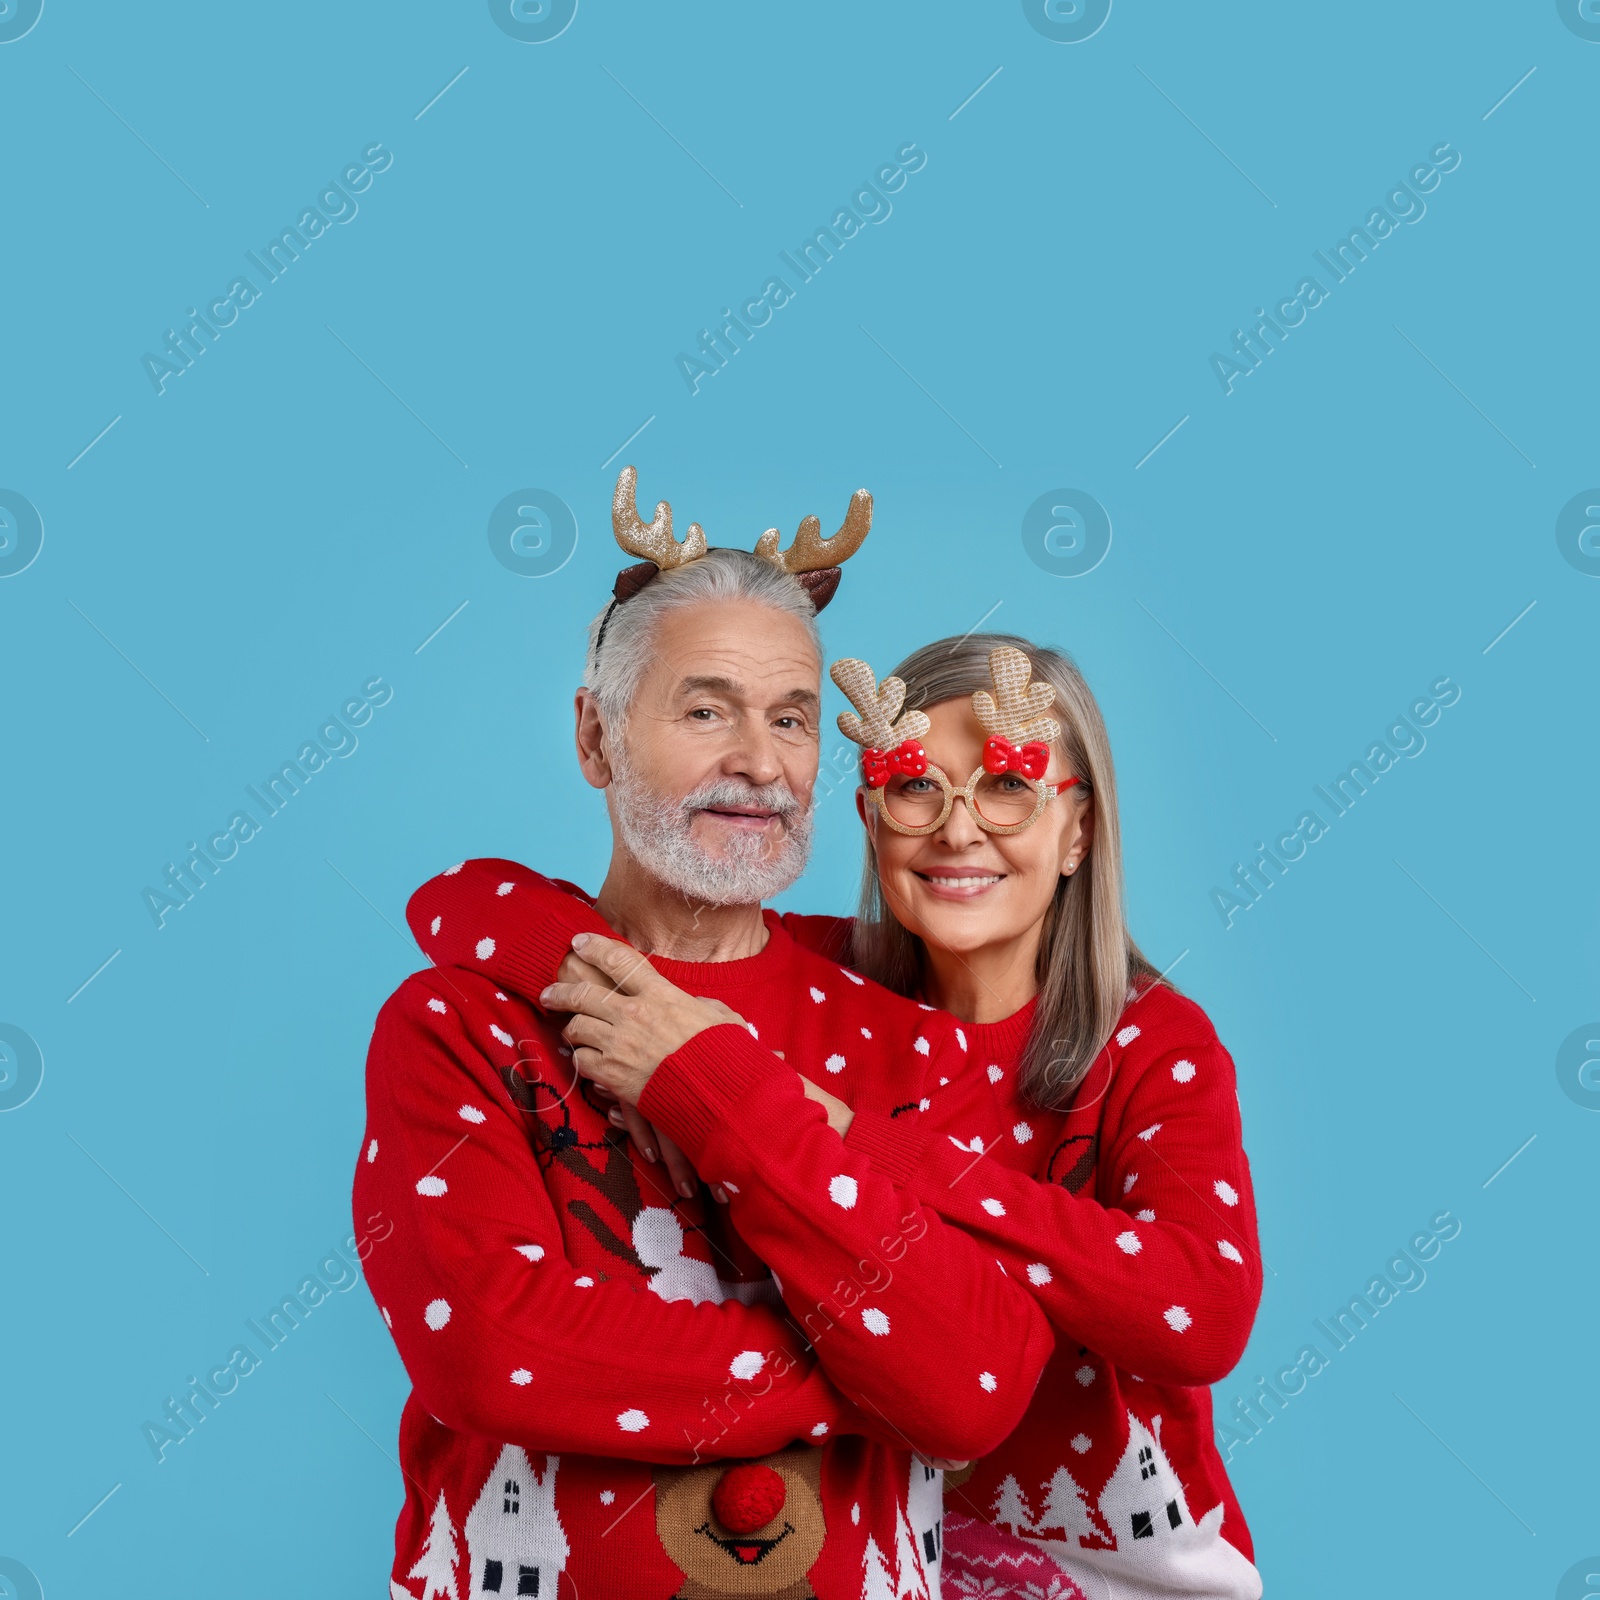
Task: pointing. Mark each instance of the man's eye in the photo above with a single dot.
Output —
(704, 713)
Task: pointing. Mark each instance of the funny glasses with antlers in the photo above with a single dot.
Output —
(1005, 795)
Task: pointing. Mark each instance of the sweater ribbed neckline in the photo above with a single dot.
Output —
(769, 965)
(1002, 1041)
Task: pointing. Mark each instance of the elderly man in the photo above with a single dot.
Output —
(607, 1384)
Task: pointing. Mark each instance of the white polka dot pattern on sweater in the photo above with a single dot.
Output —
(961, 1039)
(1082, 1443)
(1126, 1036)
(430, 1185)
(995, 1074)
(1039, 1274)
(818, 1431)
(994, 1207)
(834, 1063)
(987, 1382)
(875, 1321)
(505, 888)
(607, 1497)
(522, 1377)
(372, 1151)
(853, 978)
(1229, 1252)
(1129, 1243)
(534, 1252)
(439, 1006)
(437, 1314)
(501, 1034)
(1022, 1133)
(1177, 1318)
(1146, 1215)
(1129, 1181)
(583, 1283)
(920, 1045)
(866, 1033)
(842, 1190)
(1182, 1071)
(450, 872)
(747, 1364)
(471, 1114)
(1150, 1132)
(633, 1421)
(1226, 1192)
(485, 948)
(817, 994)
(1084, 1375)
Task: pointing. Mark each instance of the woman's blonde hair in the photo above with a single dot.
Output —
(1088, 965)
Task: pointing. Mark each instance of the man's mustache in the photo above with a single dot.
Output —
(728, 793)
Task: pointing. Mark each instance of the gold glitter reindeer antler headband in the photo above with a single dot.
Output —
(811, 559)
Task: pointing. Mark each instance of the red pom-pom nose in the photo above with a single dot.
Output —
(748, 1497)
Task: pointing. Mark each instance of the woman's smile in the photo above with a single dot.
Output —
(958, 883)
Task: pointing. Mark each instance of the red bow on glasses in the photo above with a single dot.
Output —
(1000, 755)
(877, 766)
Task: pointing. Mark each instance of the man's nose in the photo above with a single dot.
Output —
(755, 754)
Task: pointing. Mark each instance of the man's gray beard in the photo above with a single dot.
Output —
(659, 834)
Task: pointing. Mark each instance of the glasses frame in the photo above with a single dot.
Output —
(1046, 792)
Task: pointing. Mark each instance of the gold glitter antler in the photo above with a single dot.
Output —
(651, 541)
(810, 552)
(1015, 710)
(879, 725)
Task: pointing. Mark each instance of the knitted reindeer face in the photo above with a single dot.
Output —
(769, 1559)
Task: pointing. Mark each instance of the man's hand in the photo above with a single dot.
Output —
(627, 1018)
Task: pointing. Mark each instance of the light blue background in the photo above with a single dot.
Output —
(277, 527)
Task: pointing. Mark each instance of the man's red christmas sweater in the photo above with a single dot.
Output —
(1131, 1217)
(582, 1343)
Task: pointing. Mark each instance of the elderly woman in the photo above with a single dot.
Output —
(1091, 1138)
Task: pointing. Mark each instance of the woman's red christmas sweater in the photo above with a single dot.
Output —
(1131, 1215)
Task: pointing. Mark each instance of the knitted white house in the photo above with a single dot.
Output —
(1160, 1547)
(1144, 1499)
(515, 1542)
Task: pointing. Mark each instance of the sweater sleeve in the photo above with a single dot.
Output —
(912, 1316)
(1165, 1280)
(451, 914)
(500, 1333)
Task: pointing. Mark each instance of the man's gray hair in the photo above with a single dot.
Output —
(616, 667)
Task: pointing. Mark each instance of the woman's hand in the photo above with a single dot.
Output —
(650, 1142)
(840, 1116)
(627, 1018)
